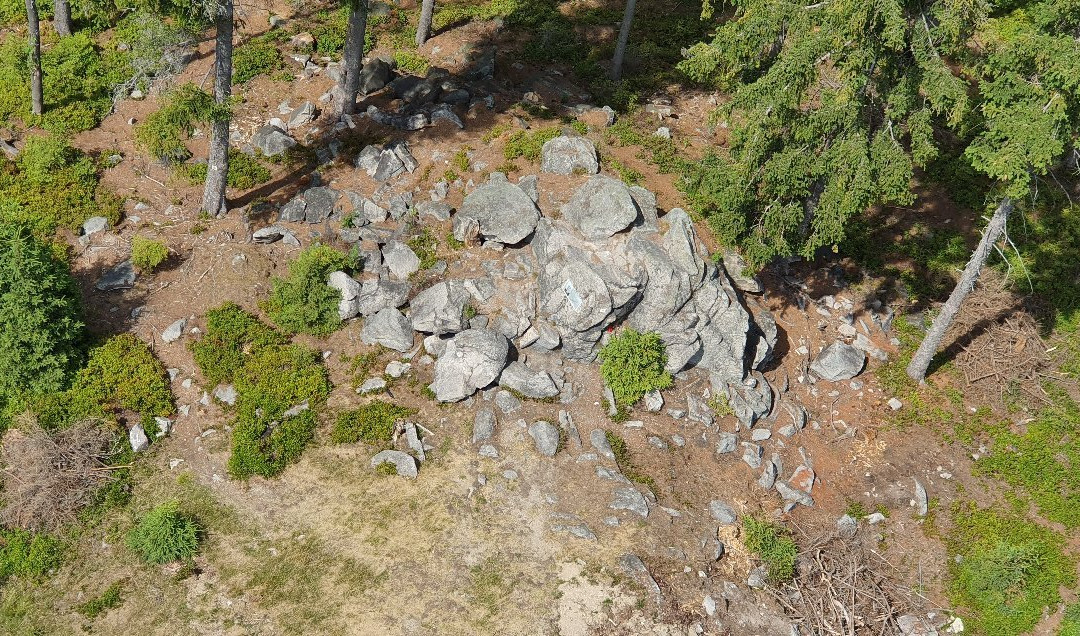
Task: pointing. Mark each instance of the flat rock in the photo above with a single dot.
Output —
(722, 512)
(376, 295)
(483, 425)
(439, 309)
(601, 208)
(389, 328)
(272, 141)
(119, 277)
(400, 259)
(632, 500)
(569, 155)
(726, 443)
(404, 463)
(839, 361)
(225, 393)
(372, 385)
(174, 331)
(599, 441)
(527, 382)
(546, 437)
(507, 402)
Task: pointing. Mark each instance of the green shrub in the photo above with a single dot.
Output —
(148, 254)
(303, 302)
(108, 600)
(772, 543)
(632, 364)
(271, 381)
(122, 375)
(163, 132)
(329, 33)
(27, 555)
(52, 184)
(41, 329)
(164, 535)
(245, 171)
(372, 423)
(425, 246)
(411, 61)
(258, 56)
(1004, 570)
(528, 144)
(231, 333)
(1070, 622)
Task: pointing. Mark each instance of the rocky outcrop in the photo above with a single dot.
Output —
(496, 211)
(472, 360)
(569, 155)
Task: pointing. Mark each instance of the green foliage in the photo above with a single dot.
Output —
(624, 461)
(258, 56)
(1070, 622)
(1004, 570)
(121, 375)
(411, 62)
(460, 161)
(372, 423)
(632, 364)
(41, 329)
(529, 144)
(772, 543)
(271, 381)
(231, 333)
(303, 302)
(329, 32)
(426, 247)
(245, 171)
(52, 185)
(148, 254)
(164, 535)
(109, 599)
(163, 132)
(27, 555)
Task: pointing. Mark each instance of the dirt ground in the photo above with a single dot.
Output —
(468, 548)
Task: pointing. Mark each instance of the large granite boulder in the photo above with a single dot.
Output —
(601, 208)
(472, 360)
(496, 211)
(569, 155)
(388, 328)
(439, 309)
(272, 141)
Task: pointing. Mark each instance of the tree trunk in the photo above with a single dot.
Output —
(37, 99)
(624, 35)
(62, 17)
(352, 60)
(423, 31)
(921, 361)
(217, 170)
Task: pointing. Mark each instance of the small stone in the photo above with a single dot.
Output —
(372, 385)
(489, 451)
(404, 463)
(226, 394)
(726, 443)
(752, 455)
(174, 331)
(722, 512)
(760, 434)
(875, 518)
(654, 401)
(895, 404)
(922, 504)
(758, 578)
(137, 438)
(847, 526)
(632, 500)
(599, 441)
(546, 438)
(510, 474)
(506, 402)
(396, 369)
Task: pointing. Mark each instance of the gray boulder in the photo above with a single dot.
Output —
(400, 259)
(534, 384)
(378, 294)
(174, 331)
(601, 208)
(404, 464)
(270, 234)
(95, 224)
(632, 500)
(473, 359)
(388, 328)
(546, 438)
(497, 211)
(569, 155)
(301, 115)
(439, 309)
(121, 276)
(599, 441)
(314, 205)
(839, 361)
(736, 266)
(722, 512)
(272, 141)
(483, 425)
(137, 438)
(375, 76)
(437, 210)
(349, 288)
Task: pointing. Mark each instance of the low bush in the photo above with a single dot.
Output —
(164, 535)
(632, 364)
(245, 171)
(303, 302)
(121, 375)
(527, 144)
(772, 543)
(164, 131)
(272, 381)
(1005, 570)
(372, 423)
(258, 56)
(27, 555)
(231, 333)
(111, 598)
(51, 185)
(411, 62)
(1070, 622)
(41, 329)
(426, 247)
(148, 254)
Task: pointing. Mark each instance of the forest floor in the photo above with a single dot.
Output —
(473, 545)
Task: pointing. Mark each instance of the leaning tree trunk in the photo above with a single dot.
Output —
(37, 98)
(624, 35)
(62, 17)
(423, 30)
(352, 60)
(217, 169)
(921, 361)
